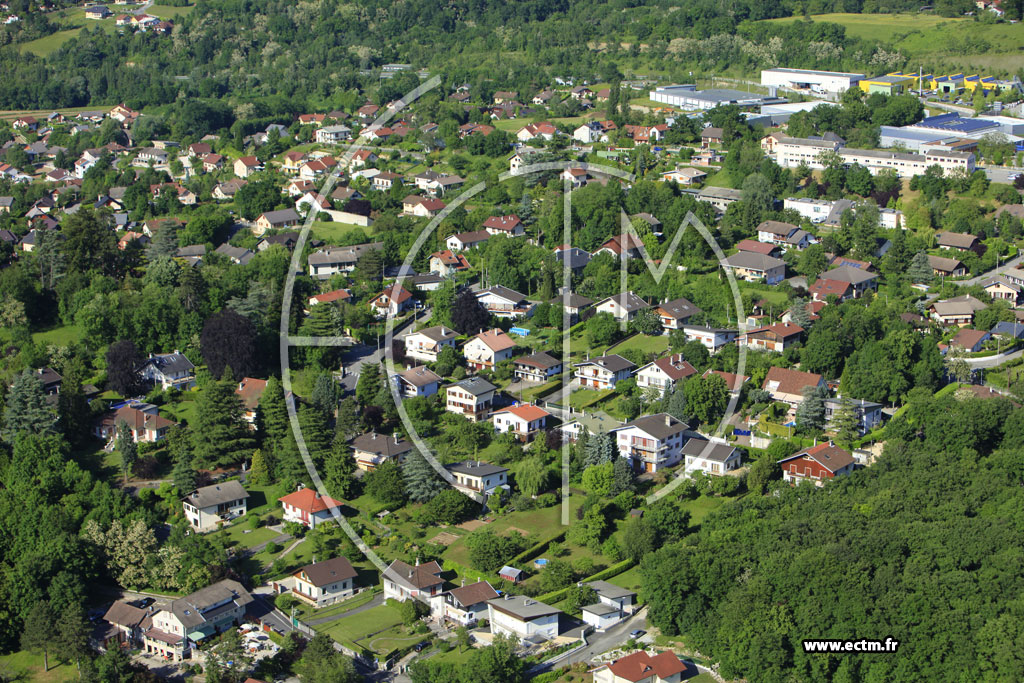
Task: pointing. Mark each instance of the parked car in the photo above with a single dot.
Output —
(637, 633)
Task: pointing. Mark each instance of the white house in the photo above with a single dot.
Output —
(675, 313)
(487, 349)
(371, 450)
(509, 226)
(406, 582)
(603, 372)
(504, 302)
(195, 617)
(467, 240)
(418, 381)
(471, 398)
(169, 370)
(539, 367)
(394, 300)
(307, 507)
(711, 457)
(464, 605)
(523, 420)
(868, 413)
(664, 372)
(614, 604)
(478, 478)
(425, 344)
(206, 507)
(523, 618)
(712, 338)
(325, 583)
(623, 307)
(652, 442)
(641, 667)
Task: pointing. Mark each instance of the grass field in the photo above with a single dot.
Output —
(921, 35)
(24, 666)
(332, 233)
(168, 11)
(641, 342)
(348, 631)
(59, 336)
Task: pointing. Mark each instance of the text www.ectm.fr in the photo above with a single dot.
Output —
(862, 645)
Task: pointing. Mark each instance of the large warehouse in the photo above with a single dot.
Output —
(689, 98)
(822, 83)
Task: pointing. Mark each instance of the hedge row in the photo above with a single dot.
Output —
(614, 570)
(535, 550)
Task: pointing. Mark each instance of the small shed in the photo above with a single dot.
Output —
(511, 574)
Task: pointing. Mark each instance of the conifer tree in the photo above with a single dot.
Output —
(845, 421)
(340, 469)
(128, 449)
(259, 472)
(421, 480)
(600, 449)
(220, 435)
(274, 412)
(26, 410)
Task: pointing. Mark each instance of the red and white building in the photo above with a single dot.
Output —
(525, 421)
(652, 442)
(603, 372)
(504, 225)
(778, 337)
(818, 464)
(664, 372)
(641, 667)
(487, 349)
(307, 507)
(394, 300)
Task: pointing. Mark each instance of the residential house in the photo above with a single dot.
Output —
(525, 421)
(719, 197)
(623, 307)
(169, 370)
(190, 620)
(212, 162)
(249, 392)
(785, 235)
(684, 176)
(509, 225)
(325, 583)
(207, 507)
(421, 207)
(787, 385)
(818, 464)
(958, 241)
(97, 12)
(869, 414)
(326, 262)
(237, 255)
(957, 311)
(763, 248)
(532, 131)
(143, 420)
(642, 667)
(246, 166)
(467, 240)
(712, 136)
(946, 267)
(573, 304)
(577, 177)
(752, 267)
(447, 263)
(504, 302)
(276, 220)
(418, 381)
(602, 372)
(371, 450)
(970, 341)
(523, 618)
(127, 620)
(333, 135)
(361, 159)
(614, 604)
(487, 349)
(385, 180)
(226, 191)
(713, 338)
(478, 478)
(539, 367)
(999, 287)
(408, 582)
(664, 372)
(711, 457)
(426, 344)
(394, 301)
(151, 155)
(471, 397)
(576, 258)
(50, 380)
(329, 297)
(1013, 330)
(306, 506)
(619, 246)
(858, 280)
(676, 313)
(651, 442)
(464, 605)
(778, 337)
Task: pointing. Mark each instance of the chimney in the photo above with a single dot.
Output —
(463, 581)
(668, 420)
(396, 437)
(314, 559)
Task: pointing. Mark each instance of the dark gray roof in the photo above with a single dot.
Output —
(628, 301)
(541, 359)
(190, 608)
(610, 590)
(191, 250)
(436, 333)
(679, 308)
(659, 425)
(379, 444)
(168, 363)
(708, 450)
(753, 261)
(522, 607)
(475, 385)
(575, 300)
(239, 254)
(215, 494)
(476, 468)
(600, 609)
(1015, 330)
(282, 216)
(854, 276)
(343, 254)
(612, 362)
(329, 571)
(504, 292)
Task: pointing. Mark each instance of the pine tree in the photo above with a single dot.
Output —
(799, 315)
(810, 414)
(845, 422)
(622, 476)
(289, 468)
(73, 631)
(325, 394)
(164, 243)
(920, 270)
(37, 632)
(183, 475)
(26, 410)
(340, 468)
(259, 473)
(315, 432)
(421, 480)
(128, 449)
(676, 406)
(220, 435)
(346, 425)
(72, 406)
(369, 384)
(600, 449)
(274, 412)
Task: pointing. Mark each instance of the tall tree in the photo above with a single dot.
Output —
(220, 435)
(88, 243)
(274, 412)
(369, 384)
(229, 340)
(72, 406)
(127, 448)
(326, 394)
(920, 270)
(340, 469)
(845, 422)
(599, 450)
(37, 634)
(810, 414)
(26, 410)
(421, 480)
(73, 631)
(386, 485)
(468, 314)
(259, 472)
(164, 244)
(123, 360)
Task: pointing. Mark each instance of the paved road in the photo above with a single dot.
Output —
(992, 361)
(355, 356)
(1009, 265)
(999, 174)
(377, 601)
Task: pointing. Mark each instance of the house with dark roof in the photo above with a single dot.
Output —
(959, 241)
(478, 478)
(424, 345)
(418, 381)
(1000, 287)
(324, 583)
(764, 248)
(467, 240)
(412, 582)
(957, 311)
(622, 307)
(207, 507)
(969, 340)
(471, 397)
(504, 302)
(818, 464)
(754, 267)
(276, 220)
(676, 313)
(713, 457)
(777, 337)
(523, 618)
(371, 450)
(602, 372)
(651, 442)
(785, 235)
(664, 372)
(846, 282)
(326, 262)
(946, 267)
(169, 370)
(868, 413)
(538, 367)
(192, 619)
(465, 605)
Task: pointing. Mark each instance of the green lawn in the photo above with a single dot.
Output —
(181, 411)
(721, 179)
(307, 612)
(332, 233)
(24, 666)
(641, 342)
(59, 336)
(701, 507)
(629, 579)
(349, 630)
(168, 11)
(582, 398)
(244, 536)
(880, 26)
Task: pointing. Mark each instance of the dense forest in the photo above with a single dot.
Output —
(251, 49)
(925, 547)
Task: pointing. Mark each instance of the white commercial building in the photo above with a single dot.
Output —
(792, 152)
(688, 97)
(822, 83)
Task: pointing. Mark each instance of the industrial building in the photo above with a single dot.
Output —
(819, 83)
(778, 114)
(792, 152)
(950, 132)
(895, 83)
(689, 98)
